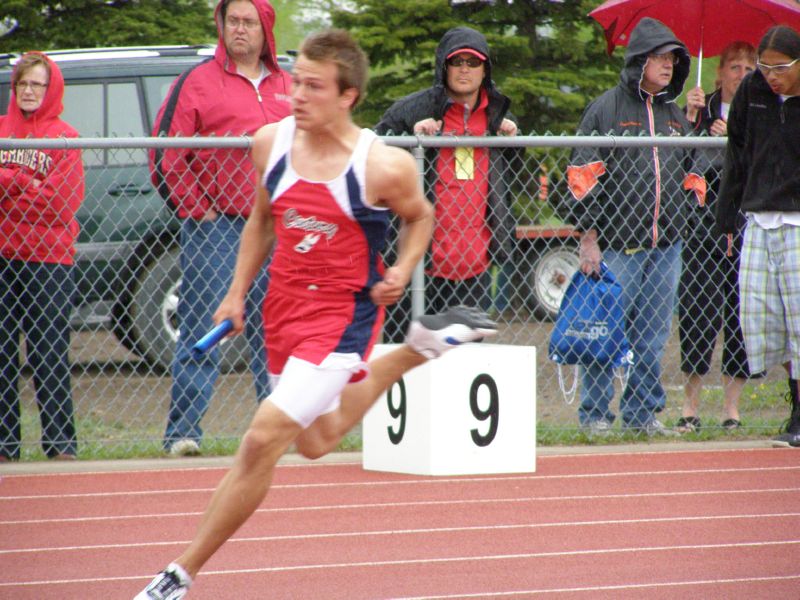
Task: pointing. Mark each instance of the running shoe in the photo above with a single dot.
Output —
(433, 335)
(172, 583)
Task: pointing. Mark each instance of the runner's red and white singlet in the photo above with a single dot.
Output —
(327, 256)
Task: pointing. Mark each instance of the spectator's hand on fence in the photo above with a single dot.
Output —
(719, 128)
(427, 127)
(507, 127)
(589, 253)
(390, 289)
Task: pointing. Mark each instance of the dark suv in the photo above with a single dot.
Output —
(127, 259)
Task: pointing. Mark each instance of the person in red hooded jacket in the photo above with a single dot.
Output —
(212, 189)
(40, 191)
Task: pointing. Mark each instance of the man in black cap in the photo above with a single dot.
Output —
(469, 186)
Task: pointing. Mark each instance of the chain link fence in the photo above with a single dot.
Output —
(128, 282)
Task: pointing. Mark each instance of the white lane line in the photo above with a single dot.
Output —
(425, 561)
(427, 481)
(423, 531)
(321, 464)
(608, 588)
(383, 505)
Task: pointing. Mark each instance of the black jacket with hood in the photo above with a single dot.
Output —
(762, 159)
(433, 102)
(635, 197)
(700, 229)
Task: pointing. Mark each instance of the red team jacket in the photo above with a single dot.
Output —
(213, 99)
(40, 190)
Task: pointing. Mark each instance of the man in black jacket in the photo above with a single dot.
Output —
(469, 186)
(632, 204)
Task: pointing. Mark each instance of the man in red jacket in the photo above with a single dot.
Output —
(234, 94)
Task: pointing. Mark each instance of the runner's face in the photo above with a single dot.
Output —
(242, 31)
(316, 99)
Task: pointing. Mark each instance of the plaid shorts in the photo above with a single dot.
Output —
(769, 285)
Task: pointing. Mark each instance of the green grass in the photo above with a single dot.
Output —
(101, 437)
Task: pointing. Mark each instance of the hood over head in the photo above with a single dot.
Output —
(52, 106)
(267, 15)
(651, 36)
(462, 39)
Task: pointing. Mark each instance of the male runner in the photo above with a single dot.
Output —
(328, 188)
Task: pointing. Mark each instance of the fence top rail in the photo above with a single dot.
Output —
(406, 141)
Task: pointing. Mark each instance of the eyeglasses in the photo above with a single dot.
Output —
(667, 57)
(35, 86)
(777, 69)
(473, 62)
(249, 24)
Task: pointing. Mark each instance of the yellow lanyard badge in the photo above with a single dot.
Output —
(465, 162)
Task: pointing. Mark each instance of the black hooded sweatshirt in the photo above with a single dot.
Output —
(433, 102)
(635, 197)
(762, 159)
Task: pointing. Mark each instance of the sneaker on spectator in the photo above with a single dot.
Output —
(596, 427)
(789, 436)
(171, 584)
(184, 448)
(790, 432)
(652, 428)
(787, 440)
(433, 335)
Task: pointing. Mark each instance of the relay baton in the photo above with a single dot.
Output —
(210, 339)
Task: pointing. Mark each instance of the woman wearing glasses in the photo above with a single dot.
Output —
(708, 291)
(40, 191)
(761, 178)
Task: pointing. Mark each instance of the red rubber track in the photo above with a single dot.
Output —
(694, 524)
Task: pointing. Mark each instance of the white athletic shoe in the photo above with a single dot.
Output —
(172, 583)
(433, 335)
(184, 448)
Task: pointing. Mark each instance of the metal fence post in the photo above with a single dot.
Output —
(418, 277)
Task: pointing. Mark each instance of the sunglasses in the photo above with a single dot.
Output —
(473, 62)
(777, 69)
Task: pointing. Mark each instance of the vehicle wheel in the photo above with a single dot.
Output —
(549, 279)
(153, 314)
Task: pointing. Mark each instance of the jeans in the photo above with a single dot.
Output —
(208, 258)
(649, 280)
(35, 300)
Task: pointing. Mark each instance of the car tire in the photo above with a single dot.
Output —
(550, 277)
(154, 319)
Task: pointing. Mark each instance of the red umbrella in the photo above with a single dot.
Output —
(705, 26)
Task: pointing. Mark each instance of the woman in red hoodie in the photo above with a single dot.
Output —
(40, 191)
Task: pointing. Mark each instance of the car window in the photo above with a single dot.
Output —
(125, 120)
(156, 89)
(83, 109)
(84, 105)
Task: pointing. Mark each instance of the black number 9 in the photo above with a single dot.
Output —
(492, 412)
(397, 412)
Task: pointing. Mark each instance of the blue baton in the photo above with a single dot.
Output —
(210, 339)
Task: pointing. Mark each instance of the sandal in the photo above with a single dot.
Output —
(687, 425)
(731, 424)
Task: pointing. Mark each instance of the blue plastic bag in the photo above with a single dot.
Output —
(590, 326)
